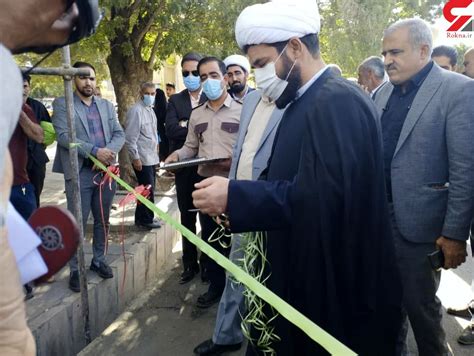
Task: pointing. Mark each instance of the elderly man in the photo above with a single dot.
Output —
(238, 71)
(371, 75)
(142, 143)
(446, 57)
(429, 187)
(469, 63)
(322, 198)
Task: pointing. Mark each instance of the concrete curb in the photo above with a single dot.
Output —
(54, 315)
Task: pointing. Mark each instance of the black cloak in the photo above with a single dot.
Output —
(323, 203)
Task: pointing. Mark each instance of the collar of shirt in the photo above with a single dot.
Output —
(236, 98)
(227, 102)
(310, 82)
(415, 81)
(375, 89)
(145, 106)
(195, 101)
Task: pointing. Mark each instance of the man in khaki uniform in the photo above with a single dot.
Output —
(212, 131)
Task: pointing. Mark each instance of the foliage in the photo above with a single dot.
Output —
(352, 29)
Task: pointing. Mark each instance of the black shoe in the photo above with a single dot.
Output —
(155, 224)
(467, 336)
(74, 284)
(208, 299)
(460, 312)
(103, 270)
(188, 274)
(208, 348)
(28, 292)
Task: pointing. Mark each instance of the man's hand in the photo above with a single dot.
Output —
(172, 158)
(211, 195)
(106, 156)
(454, 251)
(137, 164)
(50, 25)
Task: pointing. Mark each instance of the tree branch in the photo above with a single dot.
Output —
(154, 49)
(144, 25)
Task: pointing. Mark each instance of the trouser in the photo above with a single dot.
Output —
(23, 198)
(185, 179)
(37, 174)
(90, 201)
(15, 336)
(420, 284)
(146, 176)
(215, 272)
(227, 330)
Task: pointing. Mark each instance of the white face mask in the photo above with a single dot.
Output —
(268, 81)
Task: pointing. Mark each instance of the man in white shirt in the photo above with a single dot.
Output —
(141, 137)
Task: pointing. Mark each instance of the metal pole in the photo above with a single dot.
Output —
(76, 201)
(57, 71)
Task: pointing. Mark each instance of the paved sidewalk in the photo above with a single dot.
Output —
(54, 314)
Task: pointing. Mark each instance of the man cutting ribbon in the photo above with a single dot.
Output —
(328, 251)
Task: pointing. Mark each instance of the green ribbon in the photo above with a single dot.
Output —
(330, 343)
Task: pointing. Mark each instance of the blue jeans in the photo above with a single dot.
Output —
(90, 201)
(23, 198)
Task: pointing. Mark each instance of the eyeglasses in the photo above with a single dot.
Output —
(195, 73)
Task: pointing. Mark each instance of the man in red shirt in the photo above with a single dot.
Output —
(23, 194)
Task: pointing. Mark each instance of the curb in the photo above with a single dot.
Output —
(54, 315)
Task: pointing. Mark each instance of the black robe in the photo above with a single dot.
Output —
(329, 247)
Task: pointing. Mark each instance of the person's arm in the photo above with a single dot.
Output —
(30, 128)
(259, 205)
(250, 205)
(460, 146)
(132, 133)
(174, 130)
(191, 145)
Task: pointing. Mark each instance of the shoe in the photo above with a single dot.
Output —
(103, 270)
(463, 313)
(208, 299)
(28, 292)
(208, 348)
(188, 275)
(74, 284)
(155, 224)
(467, 336)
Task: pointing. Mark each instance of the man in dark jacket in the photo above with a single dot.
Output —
(177, 116)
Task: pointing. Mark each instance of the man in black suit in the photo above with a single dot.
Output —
(177, 116)
(37, 157)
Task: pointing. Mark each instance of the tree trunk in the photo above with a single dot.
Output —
(127, 73)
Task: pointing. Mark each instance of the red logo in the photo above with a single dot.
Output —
(458, 22)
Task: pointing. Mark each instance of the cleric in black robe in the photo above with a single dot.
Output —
(322, 200)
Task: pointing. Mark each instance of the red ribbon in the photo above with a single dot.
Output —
(145, 191)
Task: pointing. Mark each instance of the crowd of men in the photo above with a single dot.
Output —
(351, 198)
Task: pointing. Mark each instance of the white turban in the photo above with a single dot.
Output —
(276, 21)
(237, 60)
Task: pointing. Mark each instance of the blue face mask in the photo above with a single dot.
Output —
(191, 82)
(212, 88)
(148, 100)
